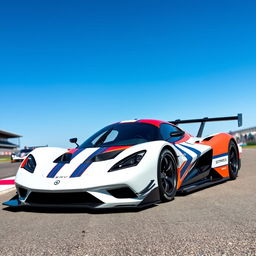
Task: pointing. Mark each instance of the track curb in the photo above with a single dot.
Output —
(7, 186)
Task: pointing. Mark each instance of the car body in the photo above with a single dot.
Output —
(127, 164)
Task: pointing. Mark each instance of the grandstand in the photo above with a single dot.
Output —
(245, 136)
(6, 147)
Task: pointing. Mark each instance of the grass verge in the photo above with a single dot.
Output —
(249, 146)
(5, 159)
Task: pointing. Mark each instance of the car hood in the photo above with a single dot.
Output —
(73, 163)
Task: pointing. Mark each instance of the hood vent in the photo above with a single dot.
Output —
(65, 158)
(106, 156)
(208, 138)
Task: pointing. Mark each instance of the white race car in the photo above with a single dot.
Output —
(127, 164)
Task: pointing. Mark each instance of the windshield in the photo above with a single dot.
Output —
(26, 150)
(123, 134)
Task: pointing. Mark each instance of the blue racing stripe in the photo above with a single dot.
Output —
(189, 160)
(79, 150)
(198, 153)
(58, 166)
(83, 166)
(225, 154)
(55, 170)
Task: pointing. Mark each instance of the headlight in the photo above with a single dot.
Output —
(129, 161)
(29, 164)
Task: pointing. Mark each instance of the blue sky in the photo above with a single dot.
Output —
(68, 68)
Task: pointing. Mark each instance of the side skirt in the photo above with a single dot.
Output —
(200, 185)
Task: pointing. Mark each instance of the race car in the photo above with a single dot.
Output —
(20, 155)
(132, 163)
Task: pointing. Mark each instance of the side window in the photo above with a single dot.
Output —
(96, 139)
(112, 136)
(166, 129)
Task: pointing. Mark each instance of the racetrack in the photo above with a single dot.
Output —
(219, 220)
(8, 169)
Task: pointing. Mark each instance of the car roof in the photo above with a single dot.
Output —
(154, 122)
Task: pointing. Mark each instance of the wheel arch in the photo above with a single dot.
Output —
(176, 157)
(232, 139)
(219, 143)
(172, 151)
(163, 196)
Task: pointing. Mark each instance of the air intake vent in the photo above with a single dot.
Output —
(82, 198)
(106, 156)
(65, 158)
(208, 138)
(22, 192)
(125, 192)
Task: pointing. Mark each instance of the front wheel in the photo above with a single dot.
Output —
(167, 175)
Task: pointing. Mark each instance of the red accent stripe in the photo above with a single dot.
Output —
(152, 121)
(24, 162)
(73, 150)
(185, 138)
(7, 182)
(116, 148)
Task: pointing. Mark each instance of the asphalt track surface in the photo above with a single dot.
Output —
(8, 169)
(220, 220)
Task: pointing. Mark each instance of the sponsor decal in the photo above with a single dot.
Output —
(221, 160)
(61, 177)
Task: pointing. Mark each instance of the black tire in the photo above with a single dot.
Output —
(233, 160)
(167, 175)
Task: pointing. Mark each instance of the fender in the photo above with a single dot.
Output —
(219, 144)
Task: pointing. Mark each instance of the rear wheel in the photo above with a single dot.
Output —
(167, 175)
(233, 160)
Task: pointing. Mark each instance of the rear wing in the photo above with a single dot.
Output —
(207, 119)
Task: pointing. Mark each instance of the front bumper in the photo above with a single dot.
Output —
(105, 197)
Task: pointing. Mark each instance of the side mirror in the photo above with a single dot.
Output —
(74, 140)
(177, 134)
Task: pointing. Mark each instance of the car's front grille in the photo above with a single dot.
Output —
(22, 192)
(124, 192)
(75, 198)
